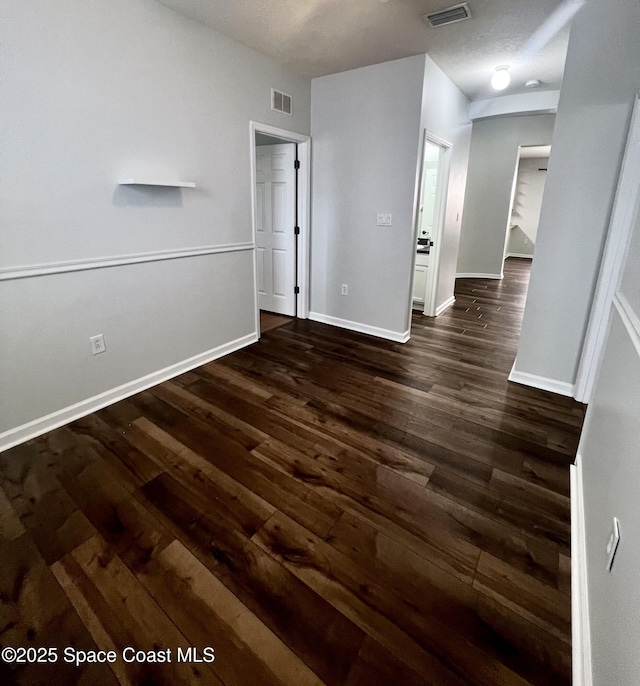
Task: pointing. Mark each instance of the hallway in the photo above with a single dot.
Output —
(321, 507)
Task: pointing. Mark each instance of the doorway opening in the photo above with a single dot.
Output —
(527, 192)
(280, 190)
(526, 201)
(430, 215)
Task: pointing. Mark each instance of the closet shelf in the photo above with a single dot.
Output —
(153, 182)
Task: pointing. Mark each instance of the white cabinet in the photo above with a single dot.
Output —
(419, 284)
(420, 279)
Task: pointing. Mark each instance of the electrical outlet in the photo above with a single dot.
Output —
(380, 220)
(612, 542)
(97, 344)
(345, 289)
(387, 220)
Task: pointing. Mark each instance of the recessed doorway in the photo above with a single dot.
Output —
(280, 189)
(434, 182)
(276, 188)
(526, 201)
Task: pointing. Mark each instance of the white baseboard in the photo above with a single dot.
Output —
(524, 256)
(389, 335)
(474, 275)
(580, 631)
(445, 305)
(37, 427)
(541, 382)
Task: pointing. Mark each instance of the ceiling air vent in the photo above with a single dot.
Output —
(281, 102)
(448, 16)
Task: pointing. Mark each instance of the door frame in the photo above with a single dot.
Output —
(625, 209)
(444, 172)
(514, 186)
(512, 202)
(304, 212)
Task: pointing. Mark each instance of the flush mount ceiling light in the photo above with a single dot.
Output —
(501, 79)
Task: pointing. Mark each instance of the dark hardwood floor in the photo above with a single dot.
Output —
(322, 507)
(270, 321)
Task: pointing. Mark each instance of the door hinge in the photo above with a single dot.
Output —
(296, 164)
(296, 230)
(296, 290)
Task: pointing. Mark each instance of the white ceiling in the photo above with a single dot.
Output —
(318, 37)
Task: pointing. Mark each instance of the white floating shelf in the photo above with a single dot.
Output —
(150, 182)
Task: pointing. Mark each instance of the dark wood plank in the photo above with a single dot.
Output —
(37, 498)
(423, 641)
(329, 643)
(540, 604)
(210, 614)
(436, 593)
(564, 574)
(34, 612)
(509, 508)
(377, 666)
(270, 321)
(258, 478)
(405, 520)
(98, 584)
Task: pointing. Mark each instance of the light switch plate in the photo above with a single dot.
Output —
(612, 543)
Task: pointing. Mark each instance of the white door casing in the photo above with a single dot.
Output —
(275, 223)
(303, 144)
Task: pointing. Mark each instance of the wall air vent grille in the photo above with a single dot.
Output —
(449, 15)
(281, 102)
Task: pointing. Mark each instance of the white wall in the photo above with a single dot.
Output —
(611, 474)
(591, 126)
(492, 165)
(367, 128)
(93, 92)
(527, 203)
(533, 102)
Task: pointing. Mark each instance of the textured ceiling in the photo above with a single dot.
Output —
(318, 37)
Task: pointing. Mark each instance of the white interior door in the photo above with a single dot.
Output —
(275, 224)
(429, 206)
